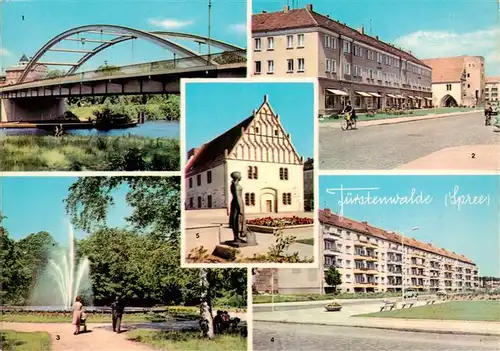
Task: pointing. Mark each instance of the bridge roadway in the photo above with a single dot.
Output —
(151, 78)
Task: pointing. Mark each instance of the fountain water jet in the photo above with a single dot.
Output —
(63, 278)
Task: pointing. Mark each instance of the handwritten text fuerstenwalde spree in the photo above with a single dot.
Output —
(365, 196)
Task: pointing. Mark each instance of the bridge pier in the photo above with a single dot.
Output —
(31, 109)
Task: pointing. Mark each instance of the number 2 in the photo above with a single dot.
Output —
(473, 155)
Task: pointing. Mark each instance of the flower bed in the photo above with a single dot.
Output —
(279, 222)
(333, 307)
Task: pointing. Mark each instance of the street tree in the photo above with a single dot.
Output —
(333, 278)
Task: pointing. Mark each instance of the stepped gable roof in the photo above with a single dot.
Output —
(327, 217)
(212, 153)
(446, 69)
(305, 18)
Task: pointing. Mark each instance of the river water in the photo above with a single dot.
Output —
(152, 129)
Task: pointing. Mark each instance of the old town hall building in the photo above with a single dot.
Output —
(261, 150)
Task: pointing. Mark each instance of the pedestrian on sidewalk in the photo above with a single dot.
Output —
(117, 308)
(77, 314)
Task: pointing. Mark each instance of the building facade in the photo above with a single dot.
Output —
(491, 89)
(258, 147)
(13, 73)
(349, 64)
(371, 259)
(309, 184)
(458, 81)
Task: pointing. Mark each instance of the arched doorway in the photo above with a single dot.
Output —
(268, 200)
(448, 101)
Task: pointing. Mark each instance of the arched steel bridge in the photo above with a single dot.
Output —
(122, 34)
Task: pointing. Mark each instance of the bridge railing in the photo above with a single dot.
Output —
(215, 59)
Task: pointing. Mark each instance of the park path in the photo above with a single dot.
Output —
(95, 339)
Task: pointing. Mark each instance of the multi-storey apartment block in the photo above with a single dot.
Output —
(491, 89)
(349, 64)
(458, 81)
(371, 259)
(261, 150)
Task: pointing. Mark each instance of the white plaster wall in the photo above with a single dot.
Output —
(216, 188)
(269, 178)
(439, 91)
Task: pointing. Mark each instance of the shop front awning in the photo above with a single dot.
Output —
(337, 92)
(362, 93)
(392, 96)
(375, 94)
(428, 98)
(400, 97)
(410, 97)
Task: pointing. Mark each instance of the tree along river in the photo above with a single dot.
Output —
(152, 129)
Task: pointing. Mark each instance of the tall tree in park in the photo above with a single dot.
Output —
(333, 278)
(54, 73)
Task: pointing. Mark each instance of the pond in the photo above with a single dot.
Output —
(151, 129)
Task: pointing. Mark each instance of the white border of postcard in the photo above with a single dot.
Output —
(184, 264)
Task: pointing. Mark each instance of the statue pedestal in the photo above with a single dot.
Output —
(248, 241)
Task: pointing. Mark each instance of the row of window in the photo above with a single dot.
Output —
(286, 199)
(199, 202)
(359, 51)
(252, 173)
(290, 42)
(301, 66)
(198, 179)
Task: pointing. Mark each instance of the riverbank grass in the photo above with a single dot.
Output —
(486, 311)
(187, 340)
(23, 341)
(91, 153)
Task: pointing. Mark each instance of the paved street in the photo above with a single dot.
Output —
(291, 337)
(394, 145)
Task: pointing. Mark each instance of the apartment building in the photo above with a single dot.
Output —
(371, 259)
(261, 150)
(491, 89)
(349, 64)
(458, 81)
(13, 73)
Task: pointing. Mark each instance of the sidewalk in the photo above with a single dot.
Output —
(465, 157)
(396, 120)
(318, 316)
(286, 306)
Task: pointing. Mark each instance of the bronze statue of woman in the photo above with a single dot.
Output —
(237, 211)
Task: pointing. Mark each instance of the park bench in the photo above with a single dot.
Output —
(409, 304)
(388, 305)
(430, 302)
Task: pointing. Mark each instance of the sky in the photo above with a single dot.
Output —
(33, 204)
(213, 108)
(44, 19)
(429, 28)
(471, 230)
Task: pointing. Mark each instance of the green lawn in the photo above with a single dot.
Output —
(180, 341)
(455, 310)
(318, 297)
(420, 112)
(95, 153)
(21, 341)
(306, 241)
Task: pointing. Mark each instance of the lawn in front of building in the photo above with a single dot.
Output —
(318, 297)
(23, 341)
(419, 112)
(488, 311)
(187, 340)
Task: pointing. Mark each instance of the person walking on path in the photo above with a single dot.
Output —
(77, 314)
(117, 308)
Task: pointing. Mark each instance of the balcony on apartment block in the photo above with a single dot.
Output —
(332, 232)
(365, 256)
(365, 270)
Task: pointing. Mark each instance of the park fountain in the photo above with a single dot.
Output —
(63, 278)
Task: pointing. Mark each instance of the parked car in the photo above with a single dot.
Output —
(410, 293)
(441, 293)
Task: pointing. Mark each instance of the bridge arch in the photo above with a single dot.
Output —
(123, 34)
(448, 101)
